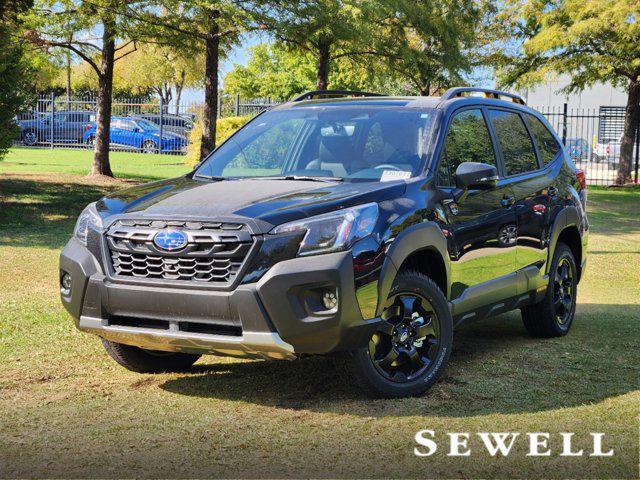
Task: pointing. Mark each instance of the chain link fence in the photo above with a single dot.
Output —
(591, 136)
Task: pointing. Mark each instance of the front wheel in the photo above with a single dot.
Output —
(411, 348)
(149, 146)
(148, 361)
(553, 315)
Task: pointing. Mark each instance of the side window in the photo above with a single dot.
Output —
(467, 140)
(127, 125)
(547, 144)
(517, 148)
(116, 123)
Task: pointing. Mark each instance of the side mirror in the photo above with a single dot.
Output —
(480, 176)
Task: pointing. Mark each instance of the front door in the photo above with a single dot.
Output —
(481, 224)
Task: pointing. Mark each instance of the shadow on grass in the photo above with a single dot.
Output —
(42, 214)
(495, 368)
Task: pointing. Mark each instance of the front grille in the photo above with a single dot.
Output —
(191, 327)
(214, 253)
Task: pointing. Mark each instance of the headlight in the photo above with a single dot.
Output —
(88, 219)
(334, 231)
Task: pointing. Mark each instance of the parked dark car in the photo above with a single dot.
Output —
(170, 123)
(365, 226)
(65, 126)
(139, 134)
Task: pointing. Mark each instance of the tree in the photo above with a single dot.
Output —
(430, 44)
(588, 40)
(53, 24)
(161, 69)
(14, 70)
(198, 25)
(281, 73)
(326, 29)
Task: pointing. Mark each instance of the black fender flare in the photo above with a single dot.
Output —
(422, 236)
(566, 218)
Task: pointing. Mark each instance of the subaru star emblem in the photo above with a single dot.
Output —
(170, 240)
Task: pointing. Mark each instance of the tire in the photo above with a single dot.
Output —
(91, 141)
(149, 146)
(553, 315)
(30, 138)
(148, 361)
(367, 364)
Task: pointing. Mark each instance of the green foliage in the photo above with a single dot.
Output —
(14, 71)
(275, 71)
(588, 40)
(428, 44)
(224, 128)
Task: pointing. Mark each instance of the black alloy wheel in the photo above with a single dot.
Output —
(411, 345)
(406, 344)
(563, 291)
(553, 315)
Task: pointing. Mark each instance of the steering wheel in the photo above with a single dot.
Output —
(388, 166)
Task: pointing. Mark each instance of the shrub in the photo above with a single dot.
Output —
(224, 128)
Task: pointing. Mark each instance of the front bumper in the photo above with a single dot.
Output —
(279, 316)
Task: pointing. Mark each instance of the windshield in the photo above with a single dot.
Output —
(147, 125)
(351, 143)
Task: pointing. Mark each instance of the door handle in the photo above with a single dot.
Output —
(507, 200)
(553, 191)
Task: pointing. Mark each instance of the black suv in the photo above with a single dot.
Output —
(364, 225)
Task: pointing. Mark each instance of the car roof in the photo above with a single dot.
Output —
(430, 102)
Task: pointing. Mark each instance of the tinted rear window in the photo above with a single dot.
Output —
(517, 148)
(547, 144)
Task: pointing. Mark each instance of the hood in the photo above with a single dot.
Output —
(267, 202)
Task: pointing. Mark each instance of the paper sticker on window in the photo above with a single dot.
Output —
(390, 175)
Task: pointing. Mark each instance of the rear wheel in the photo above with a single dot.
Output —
(148, 361)
(149, 146)
(553, 315)
(30, 138)
(411, 348)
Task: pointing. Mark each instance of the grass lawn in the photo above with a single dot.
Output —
(135, 166)
(67, 410)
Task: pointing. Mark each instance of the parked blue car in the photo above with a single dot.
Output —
(139, 134)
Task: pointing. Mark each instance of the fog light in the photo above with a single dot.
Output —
(330, 299)
(65, 283)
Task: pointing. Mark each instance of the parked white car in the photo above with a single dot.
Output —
(609, 151)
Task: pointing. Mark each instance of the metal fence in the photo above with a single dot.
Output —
(137, 124)
(591, 136)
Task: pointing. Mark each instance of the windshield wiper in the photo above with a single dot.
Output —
(212, 178)
(303, 178)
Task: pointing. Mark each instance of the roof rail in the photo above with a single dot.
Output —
(333, 94)
(488, 93)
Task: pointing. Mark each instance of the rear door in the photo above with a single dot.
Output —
(482, 255)
(533, 185)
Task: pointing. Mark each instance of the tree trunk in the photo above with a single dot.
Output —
(210, 114)
(101, 164)
(631, 122)
(179, 87)
(68, 67)
(324, 53)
